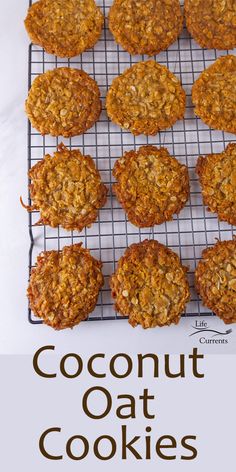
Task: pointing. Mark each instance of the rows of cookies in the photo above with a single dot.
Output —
(151, 185)
(145, 99)
(67, 29)
(150, 283)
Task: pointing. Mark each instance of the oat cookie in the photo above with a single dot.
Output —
(151, 185)
(146, 98)
(215, 279)
(63, 102)
(64, 286)
(212, 23)
(217, 174)
(150, 285)
(65, 28)
(214, 93)
(67, 190)
(145, 26)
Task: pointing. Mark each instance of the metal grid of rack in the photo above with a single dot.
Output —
(194, 228)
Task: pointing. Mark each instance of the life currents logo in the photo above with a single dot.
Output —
(207, 335)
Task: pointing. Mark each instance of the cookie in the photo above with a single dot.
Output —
(63, 102)
(150, 285)
(217, 174)
(146, 98)
(145, 27)
(213, 95)
(215, 279)
(64, 286)
(212, 23)
(151, 185)
(67, 190)
(64, 28)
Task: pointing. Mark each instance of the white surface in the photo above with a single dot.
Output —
(16, 334)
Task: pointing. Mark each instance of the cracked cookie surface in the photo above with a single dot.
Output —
(145, 26)
(215, 279)
(217, 174)
(146, 98)
(64, 286)
(63, 102)
(65, 28)
(67, 190)
(150, 285)
(151, 185)
(212, 23)
(214, 94)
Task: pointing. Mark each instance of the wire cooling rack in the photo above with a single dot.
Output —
(194, 228)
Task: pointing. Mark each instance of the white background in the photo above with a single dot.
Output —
(202, 407)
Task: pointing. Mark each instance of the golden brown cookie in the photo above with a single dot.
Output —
(217, 174)
(212, 23)
(214, 93)
(152, 185)
(64, 28)
(67, 190)
(63, 102)
(215, 279)
(146, 98)
(64, 286)
(150, 285)
(146, 26)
